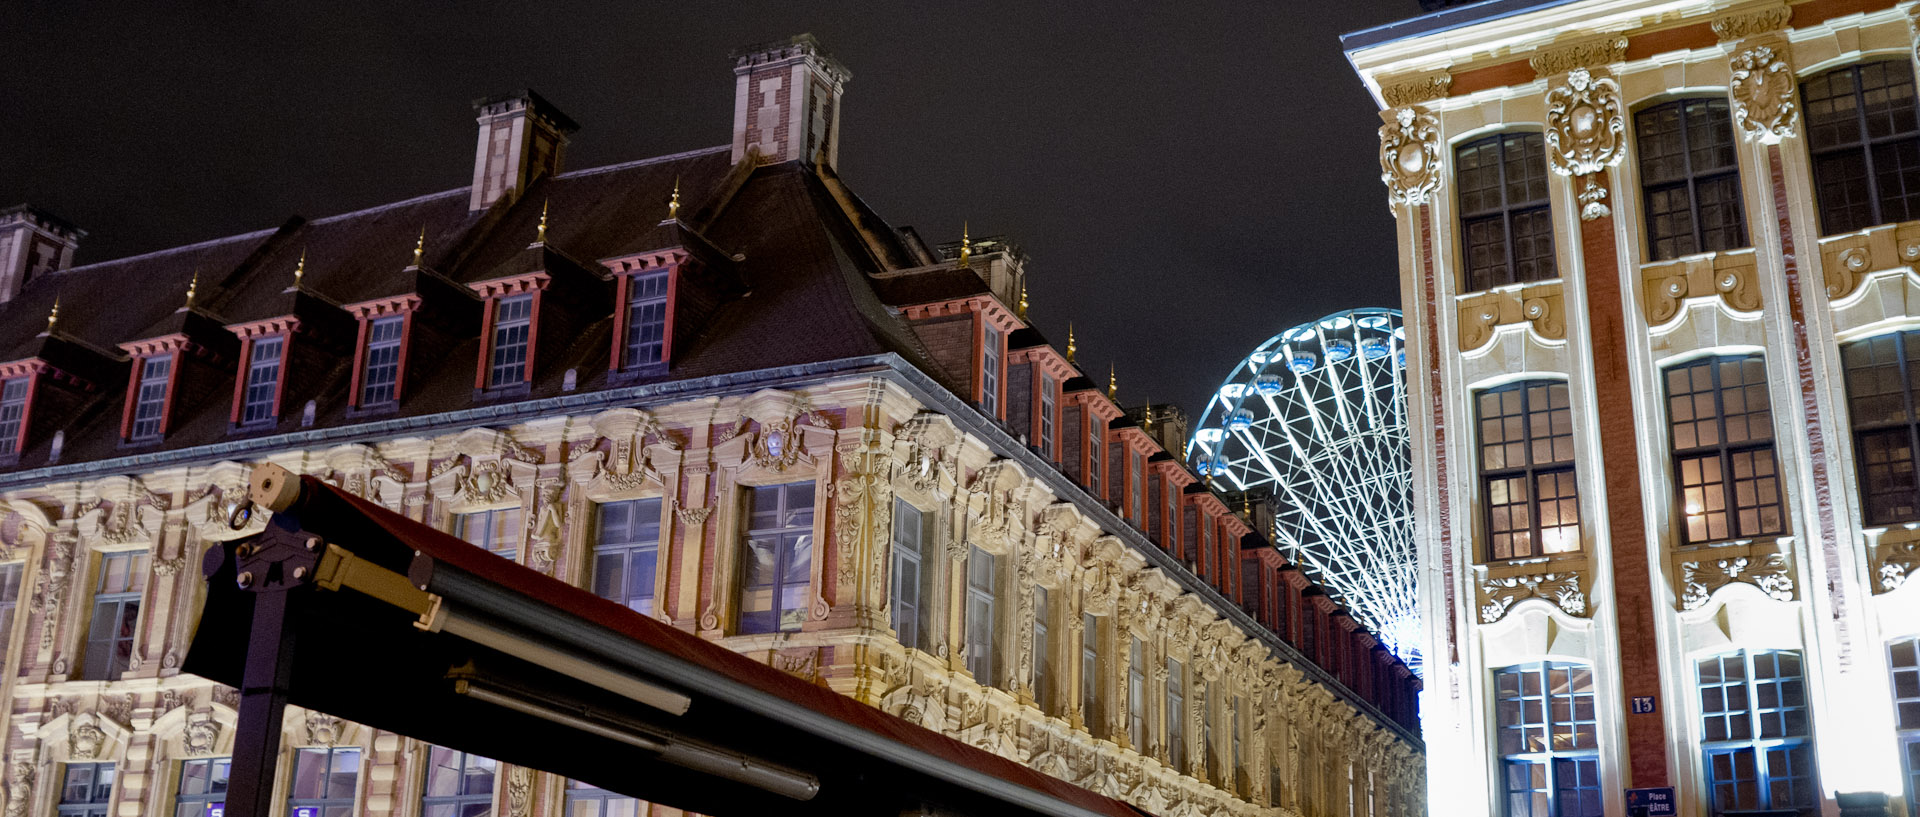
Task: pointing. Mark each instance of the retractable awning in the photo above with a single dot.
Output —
(344, 607)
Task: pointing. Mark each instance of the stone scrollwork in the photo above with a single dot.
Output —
(1898, 561)
(519, 791)
(1728, 275)
(487, 468)
(20, 776)
(1700, 577)
(1587, 54)
(1561, 588)
(200, 735)
(1739, 25)
(1584, 131)
(1540, 306)
(1410, 156)
(1409, 92)
(626, 465)
(1763, 101)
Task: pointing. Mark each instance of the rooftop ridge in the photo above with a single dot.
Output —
(685, 154)
(458, 191)
(170, 250)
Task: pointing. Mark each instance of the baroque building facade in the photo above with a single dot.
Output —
(712, 386)
(1659, 261)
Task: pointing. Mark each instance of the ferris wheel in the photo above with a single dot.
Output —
(1316, 417)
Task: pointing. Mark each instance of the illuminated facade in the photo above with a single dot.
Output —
(1657, 264)
(712, 386)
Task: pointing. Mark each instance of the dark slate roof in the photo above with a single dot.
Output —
(809, 296)
(1458, 15)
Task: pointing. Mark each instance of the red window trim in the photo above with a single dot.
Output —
(1046, 363)
(30, 369)
(138, 351)
(493, 290)
(282, 327)
(671, 260)
(366, 312)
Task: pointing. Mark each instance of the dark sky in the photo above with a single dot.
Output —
(1188, 179)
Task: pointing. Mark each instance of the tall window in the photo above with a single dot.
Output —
(1689, 178)
(1309, 631)
(1136, 491)
(1046, 416)
(1886, 428)
(1206, 546)
(1904, 661)
(512, 328)
(458, 784)
(497, 530)
(324, 779)
(990, 369)
(1176, 715)
(1173, 518)
(1864, 135)
(116, 609)
(9, 600)
(1549, 759)
(1504, 217)
(910, 596)
(1723, 449)
(980, 613)
(85, 790)
(1042, 652)
(646, 319)
(1250, 587)
(585, 800)
(263, 380)
(380, 381)
(778, 559)
(150, 401)
(1757, 739)
(1526, 470)
(1090, 674)
(1094, 448)
(629, 548)
(203, 787)
(13, 410)
(1136, 694)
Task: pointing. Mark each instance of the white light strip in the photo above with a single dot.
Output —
(665, 700)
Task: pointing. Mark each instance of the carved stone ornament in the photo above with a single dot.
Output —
(85, 738)
(1410, 156)
(201, 734)
(519, 791)
(1562, 588)
(20, 777)
(1739, 25)
(1771, 572)
(1407, 92)
(485, 469)
(619, 459)
(1589, 54)
(543, 530)
(1898, 562)
(322, 729)
(209, 508)
(1763, 101)
(1584, 130)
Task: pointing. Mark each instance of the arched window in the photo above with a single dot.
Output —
(1689, 178)
(1506, 225)
(1863, 130)
(1527, 479)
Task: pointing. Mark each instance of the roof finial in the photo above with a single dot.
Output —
(1021, 310)
(1113, 384)
(193, 286)
(1071, 346)
(1146, 414)
(542, 237)
(300, 269)
(966, 246)
(673, 204)
(420, 247)
(53, 317)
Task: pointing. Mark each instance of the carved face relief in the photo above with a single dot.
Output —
(1763, 100)
(1410, 156)
(1584, 128)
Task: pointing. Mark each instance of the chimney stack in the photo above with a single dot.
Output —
(522, 137)
(786, 102)
(33, 242)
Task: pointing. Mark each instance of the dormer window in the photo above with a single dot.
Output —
(150, 397)
(512, 335)
(260, 400)
(1046, 415)
(13, 415)
(380, 375)
(990, 370)
(646, 319)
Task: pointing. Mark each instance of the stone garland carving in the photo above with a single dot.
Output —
(61, 558)
(863, 506)
(1562, 588)
(1589, 54)
(201, 734)
(1740, 25)
(20, 780)
(692, 516)
(486, 468)
(628, 463)
(1584, 129)
(84, 737)
(1770, 572)
(1410, 156)
(1763, 101)
(1406, 93)
(1898, 562)
(519, 791)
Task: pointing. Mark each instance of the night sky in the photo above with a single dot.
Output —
(1188, 179)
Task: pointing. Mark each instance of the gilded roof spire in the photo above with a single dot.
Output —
(193, 286)
(1071, 346)
(541, 238)
(53, 317)
(1021, 310)
(966, 246)
(673, 204)
(1113, 384)
(420, 247)
(300, 269)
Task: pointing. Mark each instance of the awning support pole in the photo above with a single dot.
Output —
(263, 704)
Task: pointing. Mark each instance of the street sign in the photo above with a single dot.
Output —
(1643, 705)
(1650, 802)
(307, 811)
(216, 809)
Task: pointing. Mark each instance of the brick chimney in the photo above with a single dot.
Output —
(33, 242)
(522, 137)
(786, 102)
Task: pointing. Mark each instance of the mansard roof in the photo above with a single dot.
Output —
(803, 254)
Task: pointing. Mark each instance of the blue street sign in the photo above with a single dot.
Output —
(1643, 705)
(216, 809)
(307, 811)
(1650, 802)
